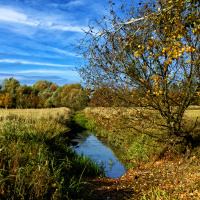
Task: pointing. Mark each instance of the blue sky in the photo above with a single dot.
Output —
(34, 35)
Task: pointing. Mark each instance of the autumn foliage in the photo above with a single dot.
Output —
(42, 94)
(152, 48)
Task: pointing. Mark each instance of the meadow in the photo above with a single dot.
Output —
(36, 161)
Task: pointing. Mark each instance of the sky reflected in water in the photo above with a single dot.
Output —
(91, 146)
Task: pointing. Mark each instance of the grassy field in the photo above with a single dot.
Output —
(37, 163)
(35, 159)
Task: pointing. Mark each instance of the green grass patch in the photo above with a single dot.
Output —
(81, 120)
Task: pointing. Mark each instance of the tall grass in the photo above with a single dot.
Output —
(35, 159)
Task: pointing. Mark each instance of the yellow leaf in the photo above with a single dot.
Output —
(188, 61)
(189, 49)
(164, 49)
(150, 43)
(169, 53)
(136, 54)
(170, 59)
(179, 36)
(178, 43)
(194, 30)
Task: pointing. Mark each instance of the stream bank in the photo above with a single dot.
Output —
(83, 122)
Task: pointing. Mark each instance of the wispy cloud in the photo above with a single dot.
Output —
(24, 77)
(74, 3)
(14, 16)
(30, 80)
(33, 63)
(46, 71)
(51, 22)
(69, 28)
(66, 52)
(71, 4)
(34, 34)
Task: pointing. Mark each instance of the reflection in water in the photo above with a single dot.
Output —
(91, 146)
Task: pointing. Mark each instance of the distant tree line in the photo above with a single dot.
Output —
(46, 94)
(43, 94)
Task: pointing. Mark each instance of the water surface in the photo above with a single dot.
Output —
(90, 146)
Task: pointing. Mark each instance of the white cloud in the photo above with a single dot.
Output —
(10, 15)
(14, 16)
(41, 20)
(71, 4)
(45, 71)
(69, 28)
(65, 52)
(75, 3)
(33, 63)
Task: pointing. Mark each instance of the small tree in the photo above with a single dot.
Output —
(74, 97)
(56, 97)
(7, 100)
(9, 89)
(152, 49)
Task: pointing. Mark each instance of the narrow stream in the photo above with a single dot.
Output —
(89, 145)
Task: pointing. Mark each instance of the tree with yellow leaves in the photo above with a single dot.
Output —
(154, 47)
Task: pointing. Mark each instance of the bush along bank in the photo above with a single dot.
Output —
(36, 161)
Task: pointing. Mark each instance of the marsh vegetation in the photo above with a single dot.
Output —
(35, 159)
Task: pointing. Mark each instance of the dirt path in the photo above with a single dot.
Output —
(158, 180)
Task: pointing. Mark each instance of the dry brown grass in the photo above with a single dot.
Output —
(108, 112)
(191, 113)
(37, 113)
